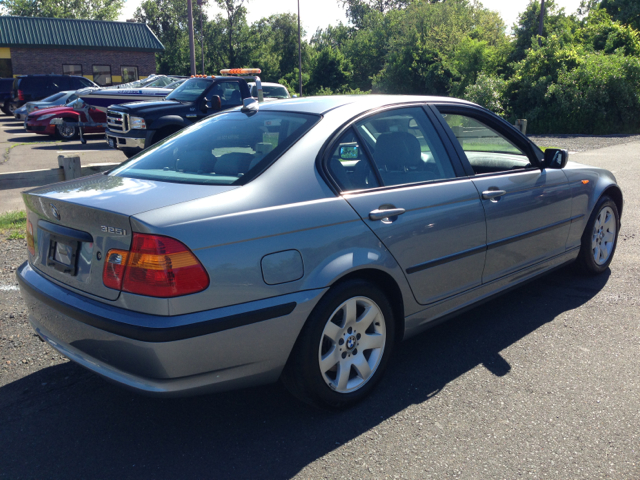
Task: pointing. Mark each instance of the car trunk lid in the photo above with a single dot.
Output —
(76, 223)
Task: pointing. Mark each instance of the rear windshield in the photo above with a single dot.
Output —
(53, 97)
(270, 91)
(227, 149)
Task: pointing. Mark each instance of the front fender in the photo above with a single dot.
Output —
(168, 120)
(586, 195)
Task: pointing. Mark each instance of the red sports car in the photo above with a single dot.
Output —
(40, 122)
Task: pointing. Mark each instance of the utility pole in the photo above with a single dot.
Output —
(300, 52)
(541, 24)
(191, 46)
(201, 4)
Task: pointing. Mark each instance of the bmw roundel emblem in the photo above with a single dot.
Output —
(351, 342)
(54, 211)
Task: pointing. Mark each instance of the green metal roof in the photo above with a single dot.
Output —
(77, 34)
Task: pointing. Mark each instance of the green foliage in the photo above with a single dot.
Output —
(601, 33)
(331, 72)
(624, 11)
(84, 9)
(487, 91)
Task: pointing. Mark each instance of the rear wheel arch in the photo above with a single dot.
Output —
(165, 131)
(387, 284)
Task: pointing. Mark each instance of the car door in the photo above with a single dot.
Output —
(527, 209)
(395, 172)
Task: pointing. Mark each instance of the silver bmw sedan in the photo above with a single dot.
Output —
(302, 240)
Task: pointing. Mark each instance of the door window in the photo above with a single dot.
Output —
(102, 74)
(405, 147)
(229, 93)
(350, 166)
(487, 150)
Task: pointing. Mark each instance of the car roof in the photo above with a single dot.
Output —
(323, 104)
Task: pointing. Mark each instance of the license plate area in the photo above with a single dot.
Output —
(63, 254)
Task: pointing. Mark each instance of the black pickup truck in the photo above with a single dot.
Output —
(132, 127)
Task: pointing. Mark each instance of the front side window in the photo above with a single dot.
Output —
(102, 74)
(72, 69)
(405, 147)
(129, 74)
(226, 149)
(487, 150)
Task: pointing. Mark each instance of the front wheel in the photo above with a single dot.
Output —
(67, 131)
(600, 237)
(343, 348)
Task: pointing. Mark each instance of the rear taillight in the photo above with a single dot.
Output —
(155, 266)
(20, 95)
(31, 244)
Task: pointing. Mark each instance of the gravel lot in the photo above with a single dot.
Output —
(582, 143)
(543, 382)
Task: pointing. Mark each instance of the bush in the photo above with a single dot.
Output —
(488, 91)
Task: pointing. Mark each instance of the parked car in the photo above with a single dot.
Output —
(55, 100)
(6, 87)
(302, 239)
(27, 88)
(270, 90)
(40, 121)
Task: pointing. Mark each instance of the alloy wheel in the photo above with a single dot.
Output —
(604, 236)
(352, 344)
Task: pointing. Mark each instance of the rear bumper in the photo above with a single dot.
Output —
(221, 349)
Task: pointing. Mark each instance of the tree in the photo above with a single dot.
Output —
(357, 10)
(331, 71)
(80, 9)
(624, 11)
(235, 23)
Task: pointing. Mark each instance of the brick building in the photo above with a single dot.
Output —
(105, 52)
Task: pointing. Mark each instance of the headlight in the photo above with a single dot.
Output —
(44, 117)
(137, 123)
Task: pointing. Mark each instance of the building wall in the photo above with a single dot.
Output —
(29, 61)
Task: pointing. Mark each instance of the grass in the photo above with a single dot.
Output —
(13, 224)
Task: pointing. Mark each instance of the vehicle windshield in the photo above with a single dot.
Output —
(227, 149)
(176, 84)
(160, 82)
(190, 90)
(53, 97)
(269, 91)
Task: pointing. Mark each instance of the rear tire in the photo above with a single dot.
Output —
(12, 109)
(344, 347)
(6, 111)
(600, 238)
(129, 152)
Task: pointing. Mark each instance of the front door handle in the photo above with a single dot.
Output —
(379, 214)
(491, 194)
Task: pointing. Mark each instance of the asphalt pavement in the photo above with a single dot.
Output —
(543, 382)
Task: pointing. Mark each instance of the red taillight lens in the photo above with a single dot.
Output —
(114, 266)
(20, 95)
(31, 244)
(156, 266)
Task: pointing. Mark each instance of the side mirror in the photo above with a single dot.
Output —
(212, 103)
(555, 158)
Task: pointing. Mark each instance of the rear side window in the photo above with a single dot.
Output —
(35, 84)
(227, 149)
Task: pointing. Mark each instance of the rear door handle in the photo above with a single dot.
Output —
(378, 214)
(491, 194)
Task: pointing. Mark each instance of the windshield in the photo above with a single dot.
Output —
(190, 90)
(53, 98)
(175, 84)
(271, 91)
(226, 149)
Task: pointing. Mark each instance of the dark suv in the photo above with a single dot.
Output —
(27, 88)
(6, 87)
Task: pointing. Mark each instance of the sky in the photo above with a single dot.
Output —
(321, 13)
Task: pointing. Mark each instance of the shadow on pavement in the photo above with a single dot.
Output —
(78, 426)
(98, 138)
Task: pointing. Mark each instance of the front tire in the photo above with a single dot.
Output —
(67, 131)
(344, 347)
(600, 238)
